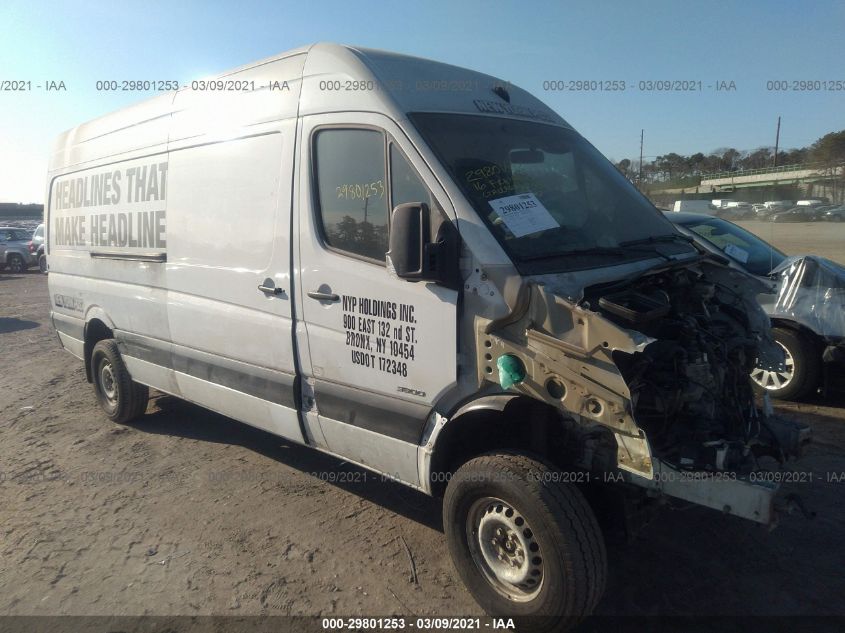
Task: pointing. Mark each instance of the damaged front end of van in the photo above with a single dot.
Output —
(657, 366)
(641, 342)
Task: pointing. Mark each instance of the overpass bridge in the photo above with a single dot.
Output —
(801, 174)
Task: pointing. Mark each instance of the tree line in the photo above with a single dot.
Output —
(829, 150)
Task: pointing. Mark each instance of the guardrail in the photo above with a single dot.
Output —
(766, 170)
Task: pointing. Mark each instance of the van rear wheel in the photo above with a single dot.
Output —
(526, 545)
(120, 397)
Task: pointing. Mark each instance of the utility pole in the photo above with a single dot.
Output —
(777, 143)
(640, 177)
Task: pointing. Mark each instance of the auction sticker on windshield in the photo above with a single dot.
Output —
(523, 214)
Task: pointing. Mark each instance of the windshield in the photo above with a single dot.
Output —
(547, 195)
(755, 255)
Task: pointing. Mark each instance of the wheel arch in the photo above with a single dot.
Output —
(15, 253)
(796, 326)
(499, 422)
(98, 326)
(817, 340)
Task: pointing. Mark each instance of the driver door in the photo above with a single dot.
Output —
(380, 350)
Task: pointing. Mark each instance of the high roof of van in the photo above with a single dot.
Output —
(315, 79)
(423, 85)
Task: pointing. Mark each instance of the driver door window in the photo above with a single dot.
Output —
(352, 191)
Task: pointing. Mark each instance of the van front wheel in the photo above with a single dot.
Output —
(120, 397)
(526, 545)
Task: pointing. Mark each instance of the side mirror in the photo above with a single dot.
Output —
(409, 234)
(413, 255)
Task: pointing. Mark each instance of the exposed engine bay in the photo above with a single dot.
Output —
(651, 374)
(690, 387)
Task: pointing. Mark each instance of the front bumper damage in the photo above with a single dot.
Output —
(757, 496)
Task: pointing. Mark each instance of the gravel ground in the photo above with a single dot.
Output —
(189, 513)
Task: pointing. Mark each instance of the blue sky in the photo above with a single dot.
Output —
(523, 42)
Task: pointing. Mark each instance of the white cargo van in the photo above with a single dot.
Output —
(428, 272)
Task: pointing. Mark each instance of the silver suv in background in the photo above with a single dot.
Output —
(14, 249)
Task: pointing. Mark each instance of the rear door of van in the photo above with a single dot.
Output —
(380, 349)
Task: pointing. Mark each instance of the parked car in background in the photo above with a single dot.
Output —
(769, 210)
(36, 248)
(14, 249)
(820, 210)
(836, 214)
(735, 211)
(795, 214)
(807, 308)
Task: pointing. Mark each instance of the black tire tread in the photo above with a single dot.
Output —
(805, 353)
(133, 397)
(569, 508)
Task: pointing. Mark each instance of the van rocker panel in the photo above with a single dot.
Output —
(267, 384)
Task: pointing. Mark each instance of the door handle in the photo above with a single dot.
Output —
(271, 290)
(323, 296)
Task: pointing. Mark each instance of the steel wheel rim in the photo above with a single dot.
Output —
(776, 379)
(503, 547)
(108, 384)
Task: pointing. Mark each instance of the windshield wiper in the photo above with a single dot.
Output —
(657, 239)
(623, 249)
(595, 250)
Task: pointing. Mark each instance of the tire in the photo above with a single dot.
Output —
(42, 263)
(16, 264)
(545, 530)
(802, 371)
(120, 397)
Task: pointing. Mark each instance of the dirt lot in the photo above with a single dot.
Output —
(187, 512)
